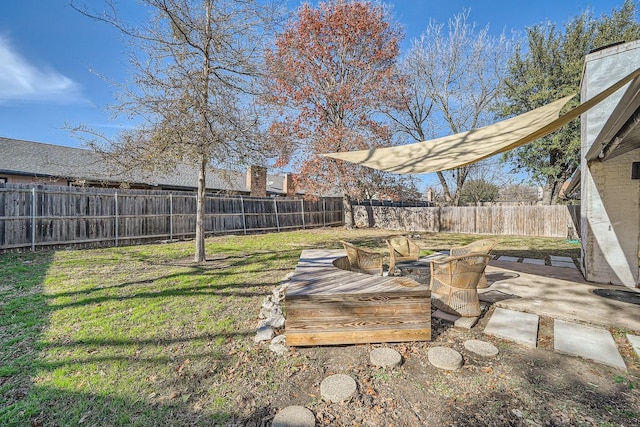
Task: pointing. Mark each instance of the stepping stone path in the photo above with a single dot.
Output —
(514, 326)
(294, 416)
(635, 343)
(385, 357)
(588, 342)
(481, 348)
(445, 358)
(337, 388)
(562, 261)
(458, 322)
(533, 261)
(508, 258)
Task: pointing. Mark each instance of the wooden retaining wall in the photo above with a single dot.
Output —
(53, 216)
(541, 221)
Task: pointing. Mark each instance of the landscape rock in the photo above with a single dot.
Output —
(265, 333)
(275, 321)
(279, 345)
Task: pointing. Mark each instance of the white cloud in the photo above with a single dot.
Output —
(23, 81)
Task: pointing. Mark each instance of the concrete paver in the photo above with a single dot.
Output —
(588, 342)
(564, 264)
(561, 258)
(508, 258)
(294, 416)
(533, 261)
(635, 343)
(445, 358)
(514, 326)
(385, 357)
(481, 348)
(337, 388)
(562, 261)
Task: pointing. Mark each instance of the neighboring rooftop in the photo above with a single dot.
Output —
(46, 161)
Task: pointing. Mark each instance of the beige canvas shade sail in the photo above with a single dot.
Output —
(461, 149)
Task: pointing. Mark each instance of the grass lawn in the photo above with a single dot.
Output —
(142, 336)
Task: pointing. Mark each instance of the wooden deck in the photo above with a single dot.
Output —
(326, 305)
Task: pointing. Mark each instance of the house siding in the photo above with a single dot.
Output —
(610, 198)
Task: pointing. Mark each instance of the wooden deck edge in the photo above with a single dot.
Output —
(351, 316)
(301, 339)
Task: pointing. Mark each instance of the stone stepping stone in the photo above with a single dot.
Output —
(481, 348)
(588, 342)
(635, 343)
(514, 326)
(337, 388)
(445, 358)
(508, 258)
(562, 261)
(533, 261)
(294, 416)
(385, 357)
(559, 258)
(458, 322)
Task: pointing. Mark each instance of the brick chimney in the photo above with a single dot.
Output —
(257, 181)
(288, 186)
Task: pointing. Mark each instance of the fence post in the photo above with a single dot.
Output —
(324, 212)
(170, 216)
(115, 197)
(244, 219)
(33, 219)
(275, 204)
(302, 203)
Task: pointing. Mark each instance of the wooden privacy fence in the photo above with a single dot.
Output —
(542, 221)
(50, 216)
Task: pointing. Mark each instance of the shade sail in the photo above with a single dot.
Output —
(461, 149)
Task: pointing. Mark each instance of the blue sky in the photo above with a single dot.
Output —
(50, 55)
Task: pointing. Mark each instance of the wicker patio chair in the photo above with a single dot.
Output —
(401, 249)
(363, 260)
(483, 246)
(454, 281)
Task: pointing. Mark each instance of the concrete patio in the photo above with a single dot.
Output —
(522, 292)
(557, 292)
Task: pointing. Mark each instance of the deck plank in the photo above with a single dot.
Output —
(326, 305)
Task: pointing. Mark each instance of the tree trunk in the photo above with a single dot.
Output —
(550, 192)
(349, 219)
(200, 210)
(446, 193)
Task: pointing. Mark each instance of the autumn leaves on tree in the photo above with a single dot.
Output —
(331, 73)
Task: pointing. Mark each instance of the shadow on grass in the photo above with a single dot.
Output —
(64, 408)
(24, 315)
(260, 262)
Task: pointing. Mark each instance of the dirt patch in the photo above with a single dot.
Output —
(519, 387)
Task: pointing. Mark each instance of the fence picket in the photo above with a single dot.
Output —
(102, 216)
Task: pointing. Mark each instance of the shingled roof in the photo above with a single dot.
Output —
(36, 159)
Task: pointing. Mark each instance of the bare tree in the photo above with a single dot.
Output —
(193, 66)
(454, 78)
